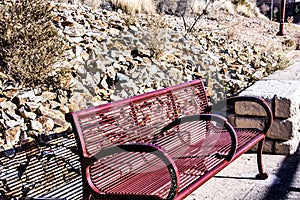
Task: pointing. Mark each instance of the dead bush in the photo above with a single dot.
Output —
(30, 46)
(135, 6)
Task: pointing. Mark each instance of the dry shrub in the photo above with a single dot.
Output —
(264, 8)
(198, 6)
(231, 33)
(95, 4)
(290, 42)
(247, 8)
(275, 56)
(229, 7)
(298, 42)
(155, 40)
(29, 44)
(135, 6)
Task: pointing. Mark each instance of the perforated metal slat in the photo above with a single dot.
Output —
(141, 178)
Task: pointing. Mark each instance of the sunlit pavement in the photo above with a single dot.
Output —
(238, 181)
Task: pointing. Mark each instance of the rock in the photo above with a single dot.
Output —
(33, 106)
(62, 128)
(62, 99)
(12, 135)
(130, 87)
(85, 56)
(115, 98)
(12, 123)
(3, 99)
(7, 105)
(57, 116)
(175, 74)
(114, 31)
(27, 94)
(47, 96)
(36, 125)
(64, 109)
(133, 28)
(77, 102)
(122, 77)
(11, 93)
(4, 116)
(28, 115)
(47, 123)
(78, 50)
(54, 104)
(97, 100)
(90, 81)
(75, 40)
(258, 75)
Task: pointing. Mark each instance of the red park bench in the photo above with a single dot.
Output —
(160, 145)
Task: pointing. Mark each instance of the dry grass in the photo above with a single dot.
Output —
(135, 6)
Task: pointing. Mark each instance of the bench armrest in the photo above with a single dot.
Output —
(232, 100)
(145, 148)
(207, 117)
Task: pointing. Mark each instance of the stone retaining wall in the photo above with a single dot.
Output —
(281, 90)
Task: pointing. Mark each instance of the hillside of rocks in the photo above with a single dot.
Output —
(114, 55)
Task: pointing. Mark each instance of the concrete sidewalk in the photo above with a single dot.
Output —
(238, 181)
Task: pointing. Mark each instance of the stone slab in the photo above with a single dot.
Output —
(247, 122)
(295, 66)
(251, 108)
(284, 129)
(287, 147)
(284, 75)
(286, 93)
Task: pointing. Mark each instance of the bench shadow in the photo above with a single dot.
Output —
(286, 175)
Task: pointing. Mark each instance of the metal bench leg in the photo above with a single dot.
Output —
(262, 174)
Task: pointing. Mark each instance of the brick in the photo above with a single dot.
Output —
(287, 147)
(284, 129)
(287, 107)
(246, 122)
(251, 108)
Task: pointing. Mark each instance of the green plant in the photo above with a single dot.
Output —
(30, 46)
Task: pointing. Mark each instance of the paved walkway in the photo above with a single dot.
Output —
(237, 181)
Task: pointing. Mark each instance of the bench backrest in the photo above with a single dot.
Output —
(136, 119)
